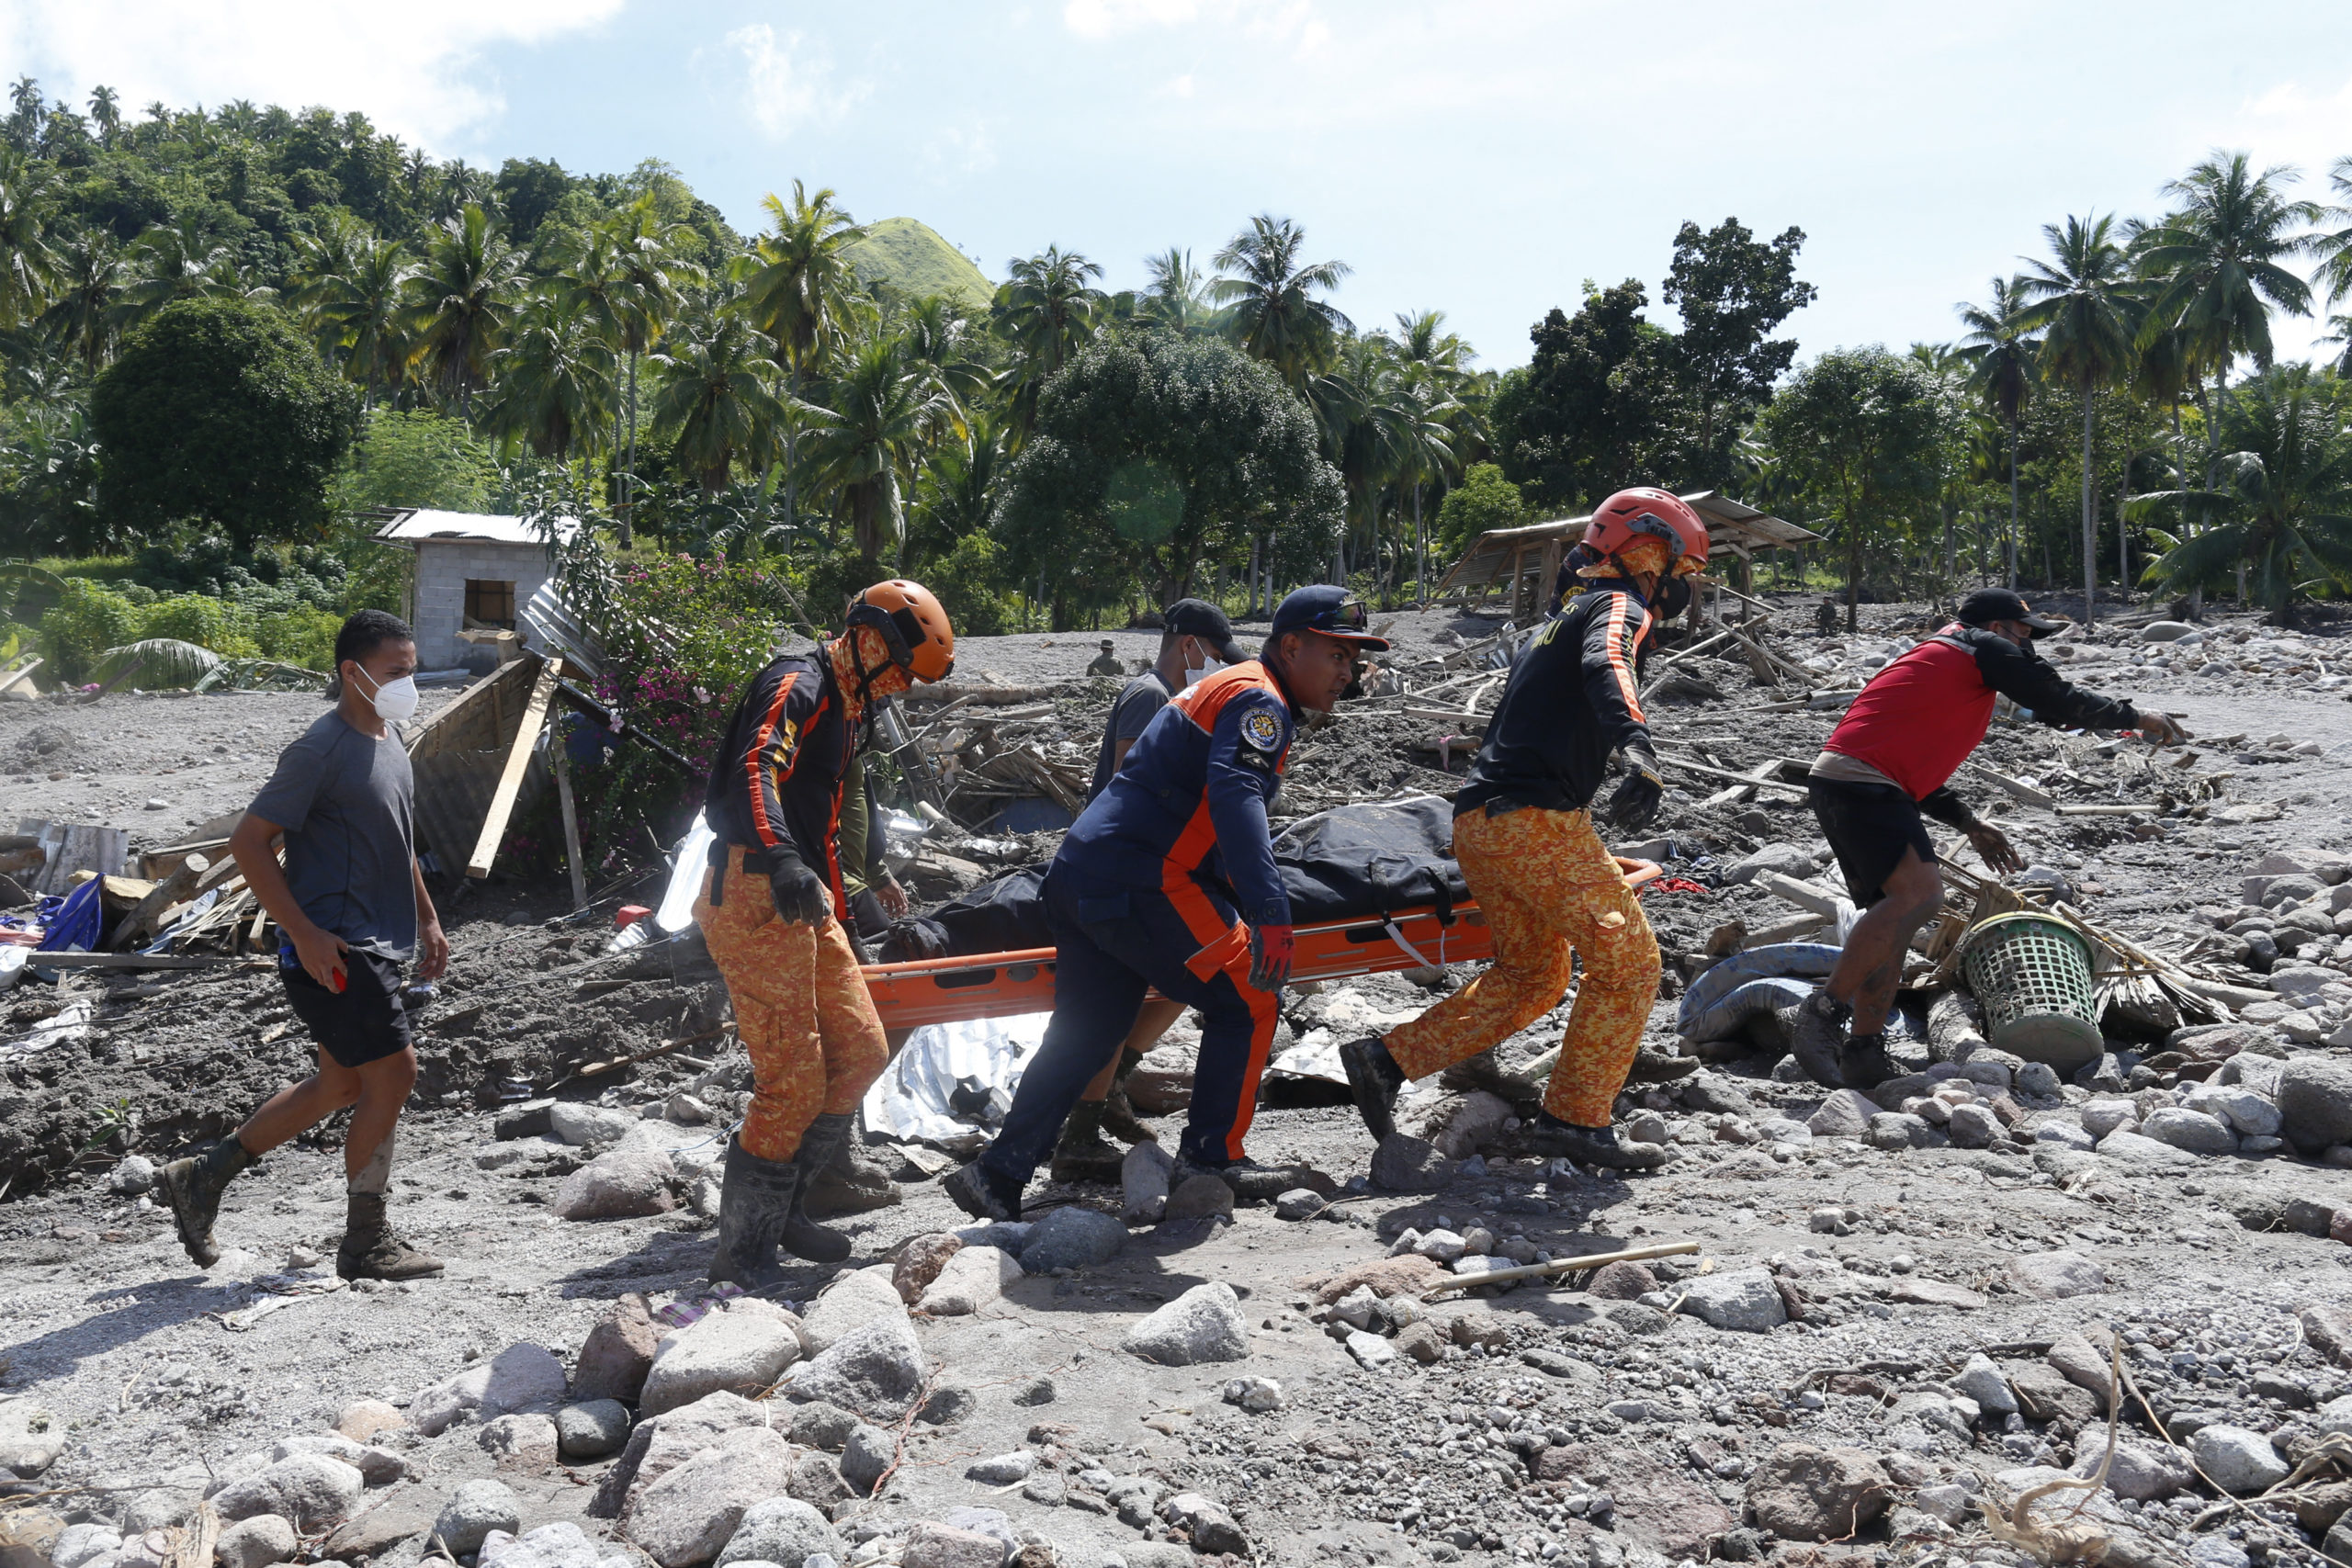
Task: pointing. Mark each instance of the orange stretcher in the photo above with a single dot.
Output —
(996, 985)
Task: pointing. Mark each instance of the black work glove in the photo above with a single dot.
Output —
(799, 892)
(1635, 801)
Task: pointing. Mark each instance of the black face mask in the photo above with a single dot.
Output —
(1673, 598)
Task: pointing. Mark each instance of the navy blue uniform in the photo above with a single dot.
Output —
(1156, 887)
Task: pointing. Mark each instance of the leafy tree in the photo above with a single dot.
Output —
(1156, 454)
(800, 296)
(882, 405)
(2005, 361)
(217, 412)
(354, 289)
(26, 266)
(1858, 430)
(1597, 408)
(86, 300)
(1482, 502)
(527, 191)
(1046, 312)
(415, 458)
(1732, 291)
(173, 262)
(2086, 306)
(460, 302)
(553, 382)
(1269, 293)
(713, 395)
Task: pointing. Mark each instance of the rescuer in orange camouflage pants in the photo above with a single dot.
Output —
(1550, 893)
(801, 1007)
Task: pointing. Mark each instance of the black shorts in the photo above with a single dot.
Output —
(1869, 827)
(365, 1021)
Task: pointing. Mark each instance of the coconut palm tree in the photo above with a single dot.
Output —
(884, 405)
(1274, 315)
(106, 113)
(2285, 501)
(2003, 358)
(553, 380)
(648, 272)
(27, 266)
(713, 392)
(355, 291)
(938, 340)
(2086, 305)
(460, 302)
(2333, 245)
(173, 262)
(798, 292)
(1177, 296)
(87, 294)
(956, 493)
(1047, 310)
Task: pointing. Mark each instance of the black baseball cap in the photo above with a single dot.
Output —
(1986, 606)
(1199, 618)
(1327, 608)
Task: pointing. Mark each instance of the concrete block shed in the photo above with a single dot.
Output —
(474, 571)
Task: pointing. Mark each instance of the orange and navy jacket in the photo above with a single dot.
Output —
(1917, 719)
(1574, 696)
(778, 773)
(1189, 803)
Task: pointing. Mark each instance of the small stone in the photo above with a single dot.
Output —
(854, 1300)
(817, 1480)
(627, 1181)
(1035, 1391)
(687, 1515)
(1422, 1342)
(944, 1546)
(524, 1441)
(1742, 1299)
(1898, 1130)
(473, 1511)
(2315, 1102)
(2144, 1472)
(948, 1406)
(869, 1452)
(1199, 1197)
(1212, 1529)
(560, 1545)
(822, 1426)
(255, 1542)
(1203, 1325)
(2190, 1130)
(973, 1281)
(580, 1123)
(1371, 1351)
(1259, 1394)
(1144, 1180)
(1845, 1114)
(2080, 1363)
(2239, 1462)
(617, 1353)
(592, 1429)
(743, 1347)
(878, 1369)
(918, 1264)
(2101, 1117)
(1973, 1126)
(784, 1530)
(516, 1378)
(1983, 1381)
(133, 1175)
(1072, 1237)
(1623, 1280)
(1441, 1246)
(2053, 1276)
(1004, 1470)
(363, 1420)
(311, 1490)
(1300, 1203)
(1805, 1493)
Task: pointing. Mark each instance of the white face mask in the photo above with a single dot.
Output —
(395, 701)
(1196, 674)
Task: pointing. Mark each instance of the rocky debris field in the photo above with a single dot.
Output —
(1904, 1312)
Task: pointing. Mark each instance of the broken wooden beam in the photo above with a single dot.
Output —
(1803, 894)
(176, 888)
(510, 777)
(1559, 1265)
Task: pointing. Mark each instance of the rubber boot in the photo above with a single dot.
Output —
(1083, 1154)
(755, 1203)
(372, 1250)
(819, 1146)
(853, 1184)
(1376, 1080)
(1119, 1118)
(1483, 1072)
(1548, 1138)
(1253, 1182)
(1863, 1064)
(194, 1187)
(1816, 1028)
(983, 1194)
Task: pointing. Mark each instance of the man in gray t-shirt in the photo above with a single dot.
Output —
(351, 908)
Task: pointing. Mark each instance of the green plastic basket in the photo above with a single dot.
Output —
(2033, 976)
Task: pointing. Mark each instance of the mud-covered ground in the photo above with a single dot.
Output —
(1553, 1425)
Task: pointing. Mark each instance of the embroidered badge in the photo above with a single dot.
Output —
(1262, 728)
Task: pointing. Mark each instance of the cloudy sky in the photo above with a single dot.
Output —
(1482, 158)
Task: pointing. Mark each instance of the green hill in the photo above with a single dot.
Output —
(909, 254)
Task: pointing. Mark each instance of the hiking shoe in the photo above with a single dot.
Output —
(755, 1203)
(194, 1187)
(1119, 1118)
(1083, 1155)
(820, 1146)
(1863, 1064)
(1551, 1138)
(1483, 1072)
(1653, 1066)
(853, 1183)
(371, 1249)
(1815, 1029)
(1374, 1081)
(1253, 1182)
(983, 1194)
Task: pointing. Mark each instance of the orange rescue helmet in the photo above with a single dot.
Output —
(911, 623)
(1646, 511)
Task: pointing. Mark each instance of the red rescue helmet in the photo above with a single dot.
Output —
(911, 623)
(1646, 511)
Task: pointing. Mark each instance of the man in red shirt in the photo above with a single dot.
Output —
(1889, 762)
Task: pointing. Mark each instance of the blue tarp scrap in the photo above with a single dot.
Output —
(73, 925)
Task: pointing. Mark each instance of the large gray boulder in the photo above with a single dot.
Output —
(1072, 1237)
(743, 1347)
(473, 1512)
(683, 1519)
(661, 1443)
(2316, 1103)
(517, 1378)
(2238, 1461)
(1742, 1299)
(2192, 1130)
(1203, 1325)
(876, 1369)
(783, 1530)
(311, 1492)
(627, 1181)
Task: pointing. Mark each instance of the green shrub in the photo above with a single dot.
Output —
(87, 620)
(304, 637)
(968, 581)
(228, 629)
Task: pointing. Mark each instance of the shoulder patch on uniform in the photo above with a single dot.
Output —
(1261, 727)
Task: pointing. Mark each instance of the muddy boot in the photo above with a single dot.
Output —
(755, 1203)
(1652, 1066)
(853, 1183)
(1083, 1154)
(194, 1185)
(1483, 1072)
(1863, 1064)
(1119, 1118)
(371, 1249)
(1253, 1182)
(803, 1236)
(1374, 1081)
(1815, 1029)
(1548, 1138)
(983, 1194)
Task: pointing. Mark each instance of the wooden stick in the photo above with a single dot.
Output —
(2017, 788)
(518, 761)
(1672, 761)
(1762, 773)
(124, 960)
(1564, 1266)
(171, 890)
(2120, 810)
(561, 758)
(8, 681)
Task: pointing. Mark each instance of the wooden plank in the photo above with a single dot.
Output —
(123, 961)
(22, 672)
(510, 778)
(173, 889)
(1803, 894)
(562, 763)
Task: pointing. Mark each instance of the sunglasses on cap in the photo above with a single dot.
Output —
(1348, 616)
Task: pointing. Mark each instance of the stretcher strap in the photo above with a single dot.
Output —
(1397, 937)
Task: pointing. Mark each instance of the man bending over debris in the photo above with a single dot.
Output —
(351, 908)
(1889, 759)
(1133, 898)
(801, 1007)
(1195, 640)
(1523, 834)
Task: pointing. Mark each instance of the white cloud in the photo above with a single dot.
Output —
(789, 82)
(1282, 21)
(2292, 124)
(414, 69)
(962, 150)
